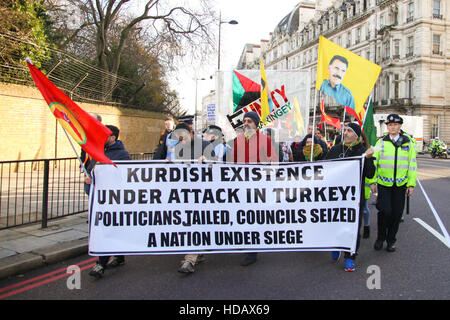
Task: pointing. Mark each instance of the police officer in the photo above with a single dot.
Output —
(396, 174)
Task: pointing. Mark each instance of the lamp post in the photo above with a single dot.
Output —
(220, 23)
(196, 113)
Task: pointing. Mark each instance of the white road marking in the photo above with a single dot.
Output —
(432, 231)
(436, 216)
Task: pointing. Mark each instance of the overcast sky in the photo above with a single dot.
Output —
(256, 19)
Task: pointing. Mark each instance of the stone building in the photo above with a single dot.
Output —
(409, 39)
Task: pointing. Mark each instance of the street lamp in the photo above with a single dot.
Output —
(196, 113)
(220, 23)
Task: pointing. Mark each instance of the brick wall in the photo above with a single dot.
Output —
(28, 129)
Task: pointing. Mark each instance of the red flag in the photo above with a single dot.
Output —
(87, 131)
(327, 119)
(353, 113)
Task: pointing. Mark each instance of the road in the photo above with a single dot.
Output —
(417, 270)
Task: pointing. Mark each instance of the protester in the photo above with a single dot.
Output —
(287, 151)
(396, 167)
(114, 150)
(295, 148)
(165, 151)
(190, 147)
(322, 143)
(214, 135)
(251, 145)
(87, 158)
(278, 148)
(169, 124)
(353, 147)
(319, 134)
(305, 154)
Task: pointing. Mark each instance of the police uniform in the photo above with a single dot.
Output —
(396, 169)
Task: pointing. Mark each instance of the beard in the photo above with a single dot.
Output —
(249, 131)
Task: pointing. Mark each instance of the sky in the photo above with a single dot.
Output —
(256, 20)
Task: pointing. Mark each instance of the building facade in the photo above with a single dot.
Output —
(409, 39)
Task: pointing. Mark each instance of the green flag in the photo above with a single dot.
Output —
(369, 125)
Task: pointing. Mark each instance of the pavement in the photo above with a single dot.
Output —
(29, 247)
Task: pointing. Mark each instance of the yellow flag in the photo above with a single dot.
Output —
(265, 109)
(345, 76)
(298, 117)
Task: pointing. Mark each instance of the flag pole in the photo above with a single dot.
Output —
(76, 153)
(314, 125)
(365, 114)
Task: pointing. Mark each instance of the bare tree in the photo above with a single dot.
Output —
(169, 30)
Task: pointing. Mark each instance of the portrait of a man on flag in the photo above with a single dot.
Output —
(345, 76)
(333, 86)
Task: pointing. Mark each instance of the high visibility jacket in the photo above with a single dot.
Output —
(396, 163)
(367, 190)
(413, 141)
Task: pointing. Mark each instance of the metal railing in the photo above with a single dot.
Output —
(33, 191)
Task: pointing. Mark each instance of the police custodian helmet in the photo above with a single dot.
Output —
(394, 118)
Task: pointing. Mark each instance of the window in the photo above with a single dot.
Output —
(436, 44)
(396, 85)
(381, 21)
(410, 87)
(410, 12)
(349, 39)
(387, 50)
(437, 9)
(410, 46)
(435, 120)
(339, 41)
(396, 49)
(387, 88)
(358, 35)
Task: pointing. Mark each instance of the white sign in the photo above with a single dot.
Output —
(150, 207)
(210, 112)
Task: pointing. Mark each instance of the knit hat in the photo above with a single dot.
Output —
(254, 116)
(355, 128)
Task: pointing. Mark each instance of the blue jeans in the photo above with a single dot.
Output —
(366, 213)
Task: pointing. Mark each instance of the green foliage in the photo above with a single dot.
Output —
(24, 20)
(150, 91)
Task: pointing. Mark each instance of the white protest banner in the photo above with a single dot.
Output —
(238, 91)
(150, 207)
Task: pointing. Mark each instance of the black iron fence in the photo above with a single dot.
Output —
(34, 191)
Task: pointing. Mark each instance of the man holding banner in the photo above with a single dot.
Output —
(114, 150)
(190, 147)
(353, 146)
(252, 146)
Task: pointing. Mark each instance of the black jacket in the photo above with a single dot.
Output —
(114, 152)
(161, 150)
(339, 151)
